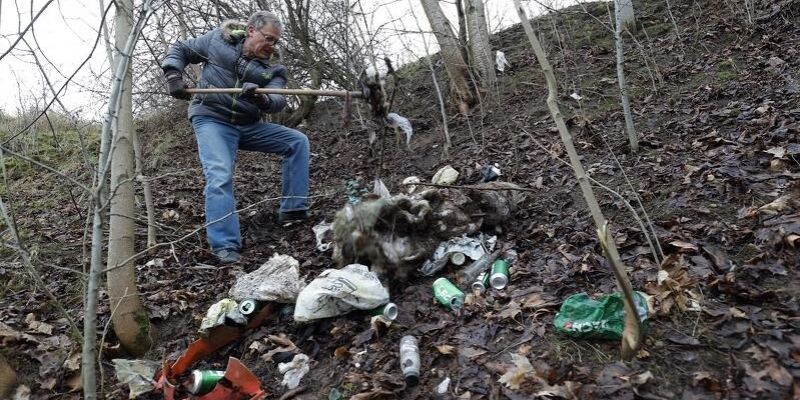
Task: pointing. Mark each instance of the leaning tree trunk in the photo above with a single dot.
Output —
(130, 321)
(631, 335)
(451, 55)
(621, 8)
(479, 45)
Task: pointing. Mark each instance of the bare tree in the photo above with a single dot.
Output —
(631, 336)
(623, 13)
(454, 63)
(480, 49)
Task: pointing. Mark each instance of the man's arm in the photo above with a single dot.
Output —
(277, 102)
(189, 51)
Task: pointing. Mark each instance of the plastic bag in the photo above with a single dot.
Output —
(294, 370)
(221, 312)
(339, 291)
(138, 374)
(583, 317)
(277, 280)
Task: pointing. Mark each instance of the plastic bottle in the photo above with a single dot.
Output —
(409, 359)
(471, 272)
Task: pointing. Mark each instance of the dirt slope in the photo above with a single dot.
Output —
(719, 117)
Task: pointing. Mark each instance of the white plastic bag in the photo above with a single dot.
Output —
(500, 61)
(277, 280)
(396, 121)
(339, 291)
(294, 370)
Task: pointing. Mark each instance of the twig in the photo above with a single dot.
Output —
(103, 340)
(293, 393)
(49, 168)
(519, 189)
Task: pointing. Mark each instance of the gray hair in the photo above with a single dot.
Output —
(260, 19)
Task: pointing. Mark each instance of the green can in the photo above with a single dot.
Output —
(448, 294)
(499, 276)
(388, 310)
(203, 381)
(480, 284)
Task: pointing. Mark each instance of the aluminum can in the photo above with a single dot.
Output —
(409, 359)
(203, 381)
(499, 277)
(458, 258)
(388, 310)
(481, 283)
(249, 306)
(448, 294)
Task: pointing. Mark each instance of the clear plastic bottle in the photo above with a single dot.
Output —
(409, 359)
(471, 272)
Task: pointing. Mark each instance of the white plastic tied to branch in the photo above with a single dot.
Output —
(395, 121)
(500, 61)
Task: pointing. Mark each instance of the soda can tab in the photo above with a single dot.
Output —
(480, 284)
(388, 310)
(499, 277)
(458, 258)
(448, 294)
(409, 359)
(203, 381)
(249, 306)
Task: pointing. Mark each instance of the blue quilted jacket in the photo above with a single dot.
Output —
(219, 51)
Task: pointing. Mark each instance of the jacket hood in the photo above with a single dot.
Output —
(233, 31)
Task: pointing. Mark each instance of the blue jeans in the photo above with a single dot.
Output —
(217, 143)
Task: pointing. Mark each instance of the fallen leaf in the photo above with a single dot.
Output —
(446, 349)
(777, 152)
(518, 374)
(341, 352)
(511, 310)
(641, 379)
(470, 352)
(683, 246)
(38, 326)
(778, 373)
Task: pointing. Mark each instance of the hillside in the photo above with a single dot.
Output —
(717, 105)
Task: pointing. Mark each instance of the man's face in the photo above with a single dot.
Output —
(262, 42)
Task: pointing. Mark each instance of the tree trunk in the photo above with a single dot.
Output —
(625, 14)
(8, 378)
(451, 55)
(631, 335)
(480, 49)
(623, 86)
(130, 321)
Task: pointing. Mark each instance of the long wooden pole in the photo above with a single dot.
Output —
(299, 92)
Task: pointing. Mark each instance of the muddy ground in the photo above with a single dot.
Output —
(717, 106)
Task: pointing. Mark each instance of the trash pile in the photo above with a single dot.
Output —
(376, 240)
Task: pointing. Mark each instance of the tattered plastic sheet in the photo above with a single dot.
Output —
(217, 314)
(277, 280)
(294, 370)
(394, 120)
(138, 374)
(340, 291)
(474, 248)
(500, 61)
(324, 234)
(446, 175)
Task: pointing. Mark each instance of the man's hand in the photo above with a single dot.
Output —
(249, 92)
(249, 89)
(175, 85)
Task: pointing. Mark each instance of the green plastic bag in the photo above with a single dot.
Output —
(584, 317)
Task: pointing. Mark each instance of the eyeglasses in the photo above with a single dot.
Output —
(268, 38)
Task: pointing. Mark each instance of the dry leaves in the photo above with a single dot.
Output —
(518, 374)
(446, 349)
(672, 287)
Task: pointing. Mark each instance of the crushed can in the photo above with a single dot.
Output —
(388, 310)
(481, 283)
(409, 359)
(499, 277)
(448, 294)
(203, 381)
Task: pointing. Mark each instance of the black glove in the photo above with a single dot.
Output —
(175, 84)
(249, 92)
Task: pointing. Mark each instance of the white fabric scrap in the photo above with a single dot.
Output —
(500, 61)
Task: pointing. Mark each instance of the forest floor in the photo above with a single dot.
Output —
(717, 107)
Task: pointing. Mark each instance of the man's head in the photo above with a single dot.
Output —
(263, 32)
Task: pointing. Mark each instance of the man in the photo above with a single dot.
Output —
(238, 56)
